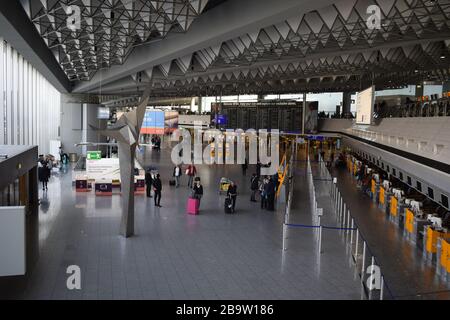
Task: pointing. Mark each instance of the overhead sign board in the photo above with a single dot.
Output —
(364, 106)
(107, 168)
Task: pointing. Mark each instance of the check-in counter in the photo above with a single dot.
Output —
(414, 227)
(431, 237)
(393, 209)
(443, 258)
(384, 198)
(397, 211)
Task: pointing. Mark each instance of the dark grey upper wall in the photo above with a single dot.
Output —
(19, 31)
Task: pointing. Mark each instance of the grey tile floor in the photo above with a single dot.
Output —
(177, 256)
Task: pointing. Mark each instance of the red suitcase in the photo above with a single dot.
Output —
(192, 206)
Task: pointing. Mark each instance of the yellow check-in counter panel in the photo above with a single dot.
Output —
(445, 254)
(431, 239)
(394, 206)
(409, 221)
(381, 197)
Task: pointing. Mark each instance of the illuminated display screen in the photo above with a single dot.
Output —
(159, 122)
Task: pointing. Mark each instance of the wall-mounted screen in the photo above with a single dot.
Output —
(364, 106)
(103, 113)
(153, 122)
(159, 122)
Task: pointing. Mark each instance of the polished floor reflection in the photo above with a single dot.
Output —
(177, 256)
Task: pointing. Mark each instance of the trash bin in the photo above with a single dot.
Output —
(73, 157)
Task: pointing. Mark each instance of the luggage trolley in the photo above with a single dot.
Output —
(224, 184)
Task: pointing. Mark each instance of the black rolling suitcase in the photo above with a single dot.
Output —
(228, 205)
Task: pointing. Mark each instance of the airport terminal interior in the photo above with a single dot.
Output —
(225, 150)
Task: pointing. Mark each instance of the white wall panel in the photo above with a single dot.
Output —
(29, 105)
(2, 90)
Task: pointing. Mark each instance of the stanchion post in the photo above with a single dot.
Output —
(351, 233)
(356, 248)
(339, 207)
(363, 261)
(320, 239)
(382, 288)
(344, 215)
(372, 265)
(284, 236)
(348, 220)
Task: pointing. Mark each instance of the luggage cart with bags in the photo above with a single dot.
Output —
(224, 184)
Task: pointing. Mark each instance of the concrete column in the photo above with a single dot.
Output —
(200, 101)
(303, 113)
(126, 157)
(346, 102)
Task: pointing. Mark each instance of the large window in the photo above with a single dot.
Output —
(29, 104)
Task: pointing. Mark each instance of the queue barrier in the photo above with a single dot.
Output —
(362, 256)
(360, 250)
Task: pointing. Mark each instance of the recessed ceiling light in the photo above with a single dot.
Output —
(442, 56)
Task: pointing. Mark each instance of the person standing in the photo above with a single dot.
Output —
(270, 191)
(157, 188)
(254, 186)
(177, 174)
(197, 190)
(148, 183)
(191, 172)
(232, 193)
(43, 173)
(262, 190)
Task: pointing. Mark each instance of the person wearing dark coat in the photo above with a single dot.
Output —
(270, 192)
(148, 183)
(157, 188)
(254, 186)
(43, 173)
(232, 193)
(197, 190)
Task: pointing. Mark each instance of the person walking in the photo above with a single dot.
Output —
(157, 188)
(197, 190)
(191, 172)
(254, 186)
(177, 174)
(148, 183)
(232, 193)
